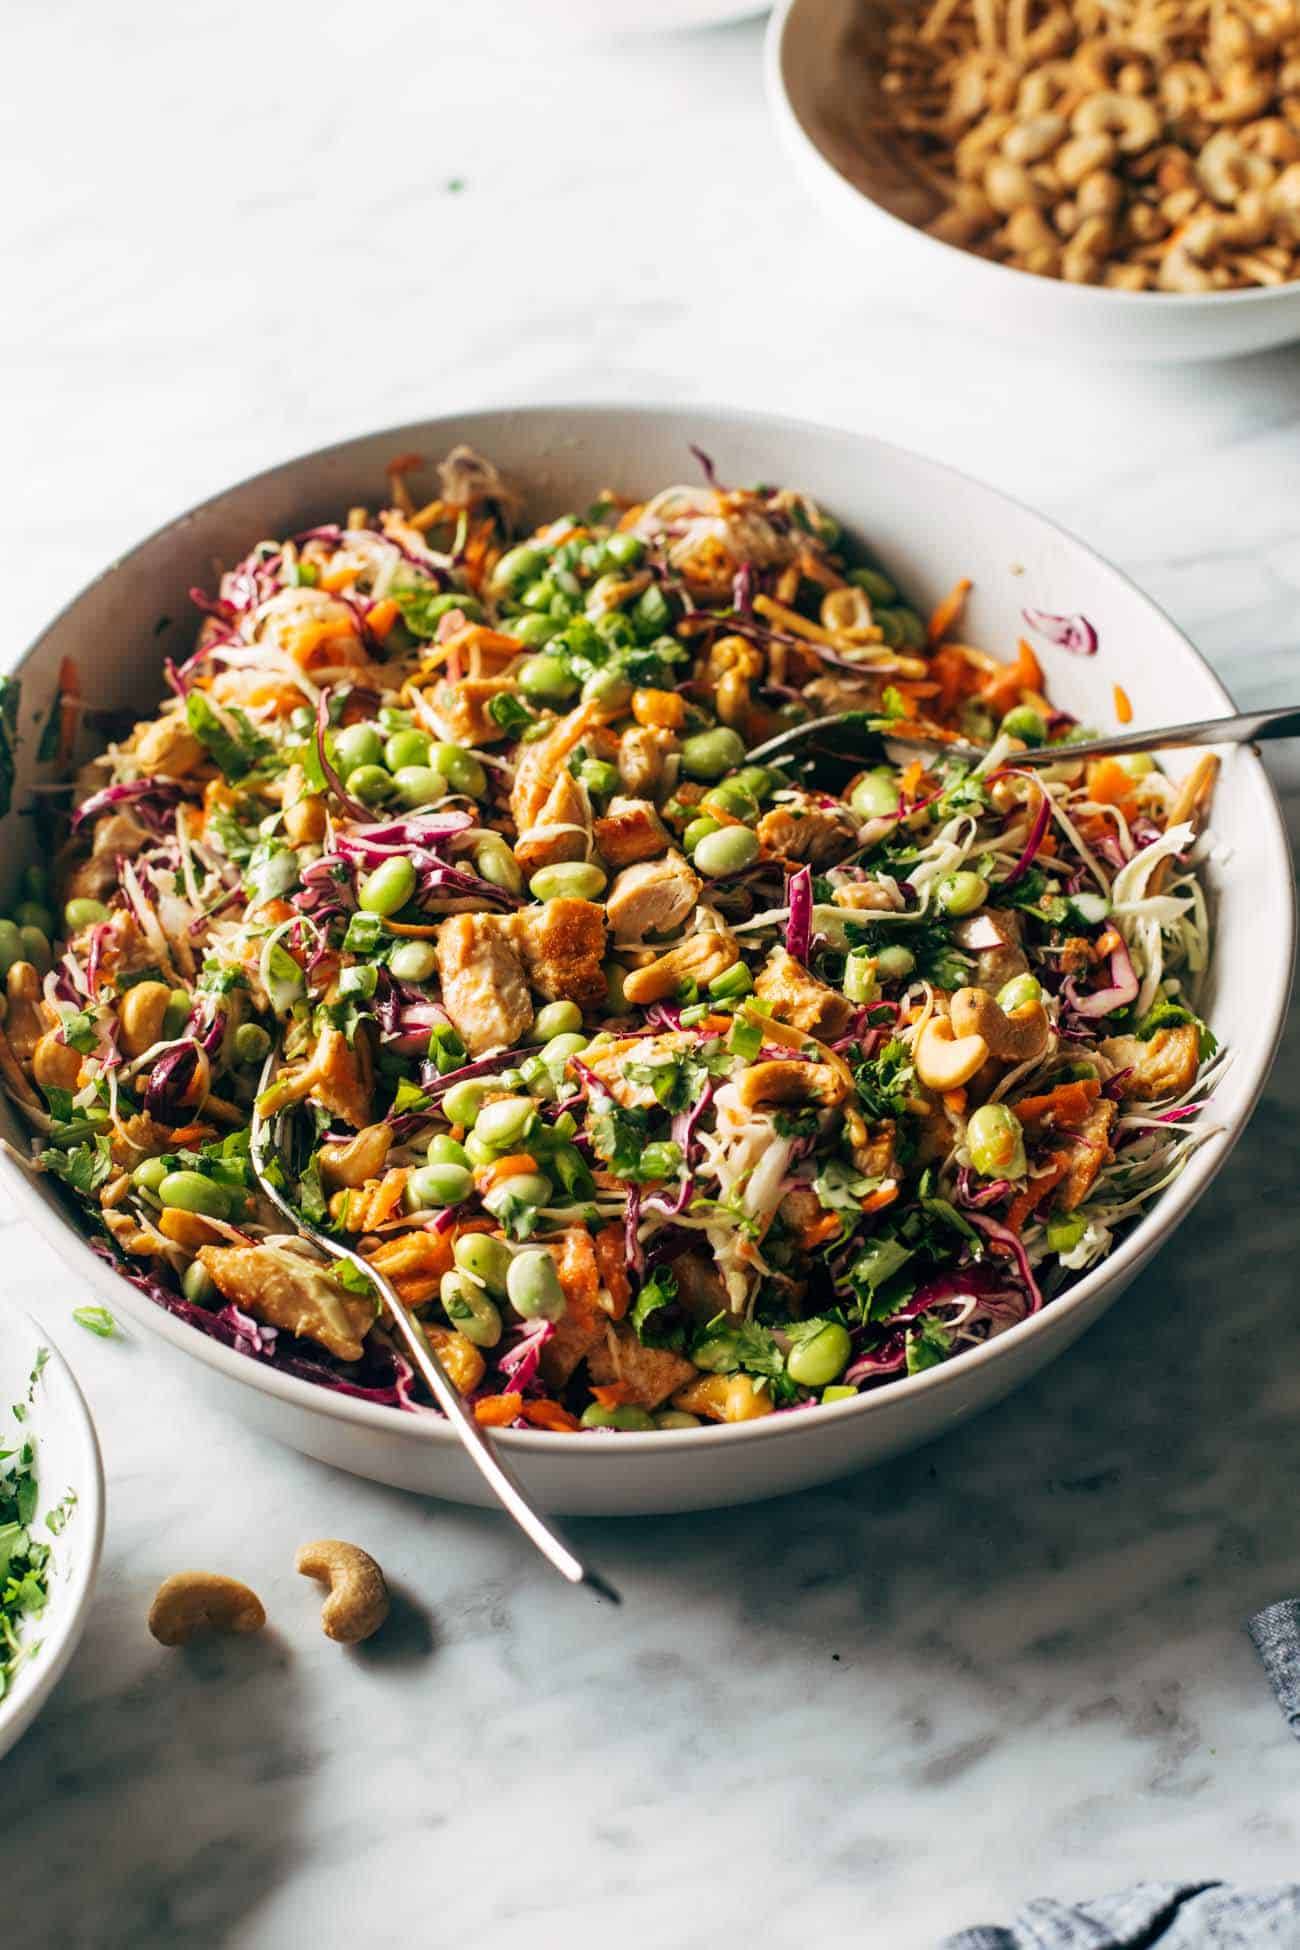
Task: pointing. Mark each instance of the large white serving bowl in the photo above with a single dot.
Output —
(814, 93)
(928, 525)
(67, 1467)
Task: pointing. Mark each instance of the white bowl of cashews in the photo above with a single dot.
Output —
(927, 525)
(1033, 228)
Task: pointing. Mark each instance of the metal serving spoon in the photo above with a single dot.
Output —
(850, 734)
(481, 1453)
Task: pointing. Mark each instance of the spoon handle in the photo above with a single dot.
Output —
(496, 1474)
(1244, 729)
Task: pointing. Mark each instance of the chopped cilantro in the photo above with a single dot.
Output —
(227, 736)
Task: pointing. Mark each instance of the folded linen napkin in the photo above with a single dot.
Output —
(1151, 1916)
(1276, 1633)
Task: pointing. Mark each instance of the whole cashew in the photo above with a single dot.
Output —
(55, 1064)
(358, 1602)
(1133, 121)
(189, 1600)
(943, 1061)
(784, 1082)
(1226, 168)
(1014, 1038)
(846, 610)
(1028, 141)
(140, 1016)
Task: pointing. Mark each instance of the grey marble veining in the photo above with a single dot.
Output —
(1012, 1663)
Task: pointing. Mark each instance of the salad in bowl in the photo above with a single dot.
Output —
(663, 1086)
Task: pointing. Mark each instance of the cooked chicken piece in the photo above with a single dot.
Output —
(561, 829)
(866, 896)
(139, 1137)
(631, 830)
(28, 1016)
(650, 1374)
(582, 1325)
(461, 1361)
(414, 1263)
(284, 1289)
(165, 746)
(361, 1158)
(802, 829)
(462, 709)
(642, 753)
(652, 897)
(700, 1286)
(563, 946)
(539, 765)
(117, 835)
(800, 999)
(833, 694)
(339, 1077)
(995, 967)
(133, 1238)
(1088, 1153)
(126, 949)
(483, 987)
(697, 959)
(607, 1061)
(1164, 1066)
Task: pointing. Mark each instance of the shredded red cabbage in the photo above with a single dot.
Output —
(798, 928)
(1070, 632)
(1119, 992)
(1037, 831)
(172, 1075)
(353, 807)
(136, 792)
(1001, 1235)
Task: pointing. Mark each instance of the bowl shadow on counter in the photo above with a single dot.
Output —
(178, 1790)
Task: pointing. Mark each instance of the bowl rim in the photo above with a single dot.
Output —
(1132, 1253)
(19, 1709)
(800, 144)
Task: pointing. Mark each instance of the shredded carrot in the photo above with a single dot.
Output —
(380, 619)
(576, 1264)
(191, 1134)
(1123, 709)
(498, 1411)
(1109, 784)
(614, 1394)
(910, 782)
(386, 1197)
(546, 1414)
(954, 1100)
(335, 579)
(513, 1166)
(1066, 1105)
(1026, 1202)
(947, 614)
(877, 1201)
(1001, 689)
(819, 1230)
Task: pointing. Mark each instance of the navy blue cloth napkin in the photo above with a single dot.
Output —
(1151, 1916)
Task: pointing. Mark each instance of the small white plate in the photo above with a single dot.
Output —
(71, 1479)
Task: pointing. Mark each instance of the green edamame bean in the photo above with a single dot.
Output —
(1026, 724)
(460, 768)
(190, 1191)
(518, 565)
(608, 687)
(533, 1285)
(198, 1285)
(895, 964)
(579, 880)
(726, 852)
(83, 913)
(437, 1185)
(495, 863)
(11, 945)
(962, 893)
(699, 829)
(444, 1150)
(711, 754)
(36, 949)
(463, 1102)
(468, 1308)
(879, 588)
(390, 717)
(371, 784)
(389, 887)
(484, 1258)
(624, 550)
(559, 1049)
(418, 785)
(731, 799)
(544, 679)
(176, 1015)
(860, 984)
(149, 1174)
(251, 1043)
(413, 961)
(615, 976)
(505, 1122)
(838, 1393)
(35, 914)
(1019, 992)
(522, 1188)
(875, 796)
(36, 883)
(534, 631)
(626, 1416)
(676, 1418)
(821, 1359)
(406, 748)
(477, 1152)
(355, 746)
(1138, 765)
(757, 780)
(556, 1019)
(995, 1140)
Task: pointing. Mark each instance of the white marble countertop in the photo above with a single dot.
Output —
(1010, 1664)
